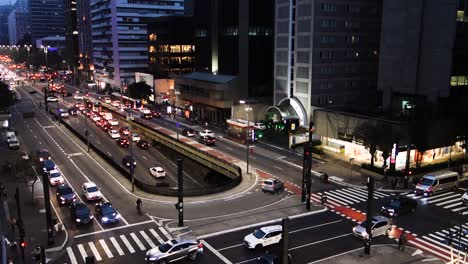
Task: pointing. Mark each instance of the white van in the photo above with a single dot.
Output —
(12, 140)
(438, 181)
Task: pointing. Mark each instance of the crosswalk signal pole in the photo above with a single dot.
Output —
(370, 197)
(285, 241)
(45, 186)
(180, 191)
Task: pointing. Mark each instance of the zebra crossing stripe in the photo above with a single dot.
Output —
(460, 208)
(453, 205)
(117, 246)
(441, 199)
(339, 203)
(447, 202)
(148, 240)
(137, 241)
(95, 251)
(443, 245)
(337, 198)
(127, 244)
(153, 232)
(437, 196)
(71, 256)
(106, 249)
(357, 195)
(169, 237)
(347, 196)
(82, 251)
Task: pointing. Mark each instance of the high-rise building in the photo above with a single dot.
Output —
(326, 55)
(235, 37)
(86, 66)
(5, 12)
(119, 37)
(47, 18)
(19, 23)
(71, 35)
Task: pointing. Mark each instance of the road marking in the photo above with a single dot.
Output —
(315, 226)
(98, 142)
(453, 205)
(137, 241)
(279, 168)
(127, 244)
(75, 154)
(320, 241)
(108, 153)
(95, 251)
(229, 148)
(221, 249)
(447, 202)
(106, 249)
(459, 209)
(71, 256)
(82, 251)
(349, 200)
(148, 240)
(444, 198)
(144, 157)
(156, 236)
(165, 233)
(219, 255)
(117, 246)
(114, 228)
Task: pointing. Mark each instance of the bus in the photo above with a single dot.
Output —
(127, 101)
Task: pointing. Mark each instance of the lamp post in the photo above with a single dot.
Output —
(247, 110)
(46, 49)
(28, 48)
(132, 168)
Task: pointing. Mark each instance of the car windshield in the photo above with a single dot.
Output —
(395, 203)
(92, 189)
(82, 210)
(258, 233)
(364, 224)
(164, 247)
(55, 174)
(426, 181)
(66, 190)
(108, 210)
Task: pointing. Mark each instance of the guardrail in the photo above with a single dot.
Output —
(217, 164)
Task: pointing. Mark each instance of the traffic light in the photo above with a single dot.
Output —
(307, 153)
(23, 244)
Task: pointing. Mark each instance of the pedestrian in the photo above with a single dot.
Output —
(433, 156)
(4, 196)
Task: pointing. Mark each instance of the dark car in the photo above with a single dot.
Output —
(48, 165)
(271, 259)
(123, 142)
(156, 114)
(65, 194)
(106, 127)
(207, 140)
(68, 94)
(398, 206)
(107, 213)
(146, 116)
(80, 213)
(73, 111)
(127, 160)
(43, 154)
(188, 132)
(143, 144)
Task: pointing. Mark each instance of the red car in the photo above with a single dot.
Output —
(123, 142)
(124, 131)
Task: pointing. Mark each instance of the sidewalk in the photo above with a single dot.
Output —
(32, 208)
(382, 254)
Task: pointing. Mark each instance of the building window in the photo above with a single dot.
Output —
(152, 49)
(328, 7)
(459, 80)
(153, 37)
(327, 23)
(460, 15)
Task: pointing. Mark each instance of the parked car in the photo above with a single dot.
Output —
(123, 142)
(65, 194)
(55, 177)
(207, 140)
(113, 133)
(157, 172)
(80, 213)
(398, 206)
(188, 132)
(264, 236)
(379, 226)
(174, 249)
(272, 185)
(206, 132)
(127, 160)
(143, 144)
(90, 191)
(107, 213)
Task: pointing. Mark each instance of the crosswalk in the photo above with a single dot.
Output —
(348, 196)
(447, 200)
(115, 246)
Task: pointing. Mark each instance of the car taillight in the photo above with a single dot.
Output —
(200, 245)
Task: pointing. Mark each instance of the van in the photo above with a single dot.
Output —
(12, 140)
(437, 182)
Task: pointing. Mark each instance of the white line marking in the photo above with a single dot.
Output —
(458, 209)
(127, 244)
(147, 239)
(447, 202)
(82, 251)
(221, 249)
(114, 228)
(106, 248)
(219, 255)
(444, 198)
(453, 205)
(153, 232)
(71, 256)
(320, 241)
(117, 246)
(145, 158)
(95, 251)
(279, 168)
(137, 241)
(165, 233)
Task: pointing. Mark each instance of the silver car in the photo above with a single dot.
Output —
(272, 185)
(380, 226)
(173, 250)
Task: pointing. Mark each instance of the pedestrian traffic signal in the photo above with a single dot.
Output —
(23, 244)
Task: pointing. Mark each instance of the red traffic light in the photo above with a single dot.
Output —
(23, 244)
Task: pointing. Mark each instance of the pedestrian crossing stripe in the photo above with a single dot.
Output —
(107, 248)
(441, 238)
(447, 200)
(348, 196)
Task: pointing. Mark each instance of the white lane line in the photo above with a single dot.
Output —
(117, 246)
(127, 244)
(221, 249)
(156, 235)
(109, 153)
(453, 205)
(279, 168)
(82, 251)
(98, 142)
(320, 241)
(114, 228)
(459, 209)
(165, 233)
(444, 198)
(447, 202)
(106, 248)
(71, 256)
(219, 255)
(229, 148)
(145, 158)
(315, 226)
(147, 239)
(95, 251)
(437, 196)
(137, 241)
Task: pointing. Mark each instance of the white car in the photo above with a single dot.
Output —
(113, 122)
(206, 132)
(158, 172)
(63, 113)
(264, 236)
(96, 118)
(465, 198)
(114, 133)
(90, 191)
(52, 99)
(259, 126)
(145, 111)
(78, 96)
(55, 177)
(380, 226)
(115, 103)
(135, 137)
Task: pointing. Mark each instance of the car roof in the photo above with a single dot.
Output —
(54, 171)
(379, 218)
(268, 229)
(89, 184)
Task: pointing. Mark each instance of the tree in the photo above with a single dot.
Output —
(375, 136)
(6, 97)
(139, 90)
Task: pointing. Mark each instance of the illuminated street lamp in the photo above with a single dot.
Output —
(46, 49)
(247, 110)
(28, 48)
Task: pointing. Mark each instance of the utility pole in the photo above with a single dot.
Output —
(306, 176)
(45, 185)
(180, 191)
(285, 241)
(370, 197)
(132, 166)
(86, 126)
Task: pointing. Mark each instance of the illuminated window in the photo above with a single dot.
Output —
(175, 48)
(152, 37)
(186, 48)
(152, 48)
(460, 15)
(152, 60)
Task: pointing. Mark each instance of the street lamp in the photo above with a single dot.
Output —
(46, 49)
(28, 48)
(132, 166)
(247, 110)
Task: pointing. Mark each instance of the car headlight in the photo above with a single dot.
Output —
(117, 216)
(91, 216)
(105, 219)
(152, 258)
(391, 210)
(78, 220)
(62, 198)
(354, 229)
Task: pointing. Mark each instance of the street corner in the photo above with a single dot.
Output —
(382, 254)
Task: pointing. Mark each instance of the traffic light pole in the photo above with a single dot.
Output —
(45, 185)
(370, 197)
(180, 191)
(285, 241)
